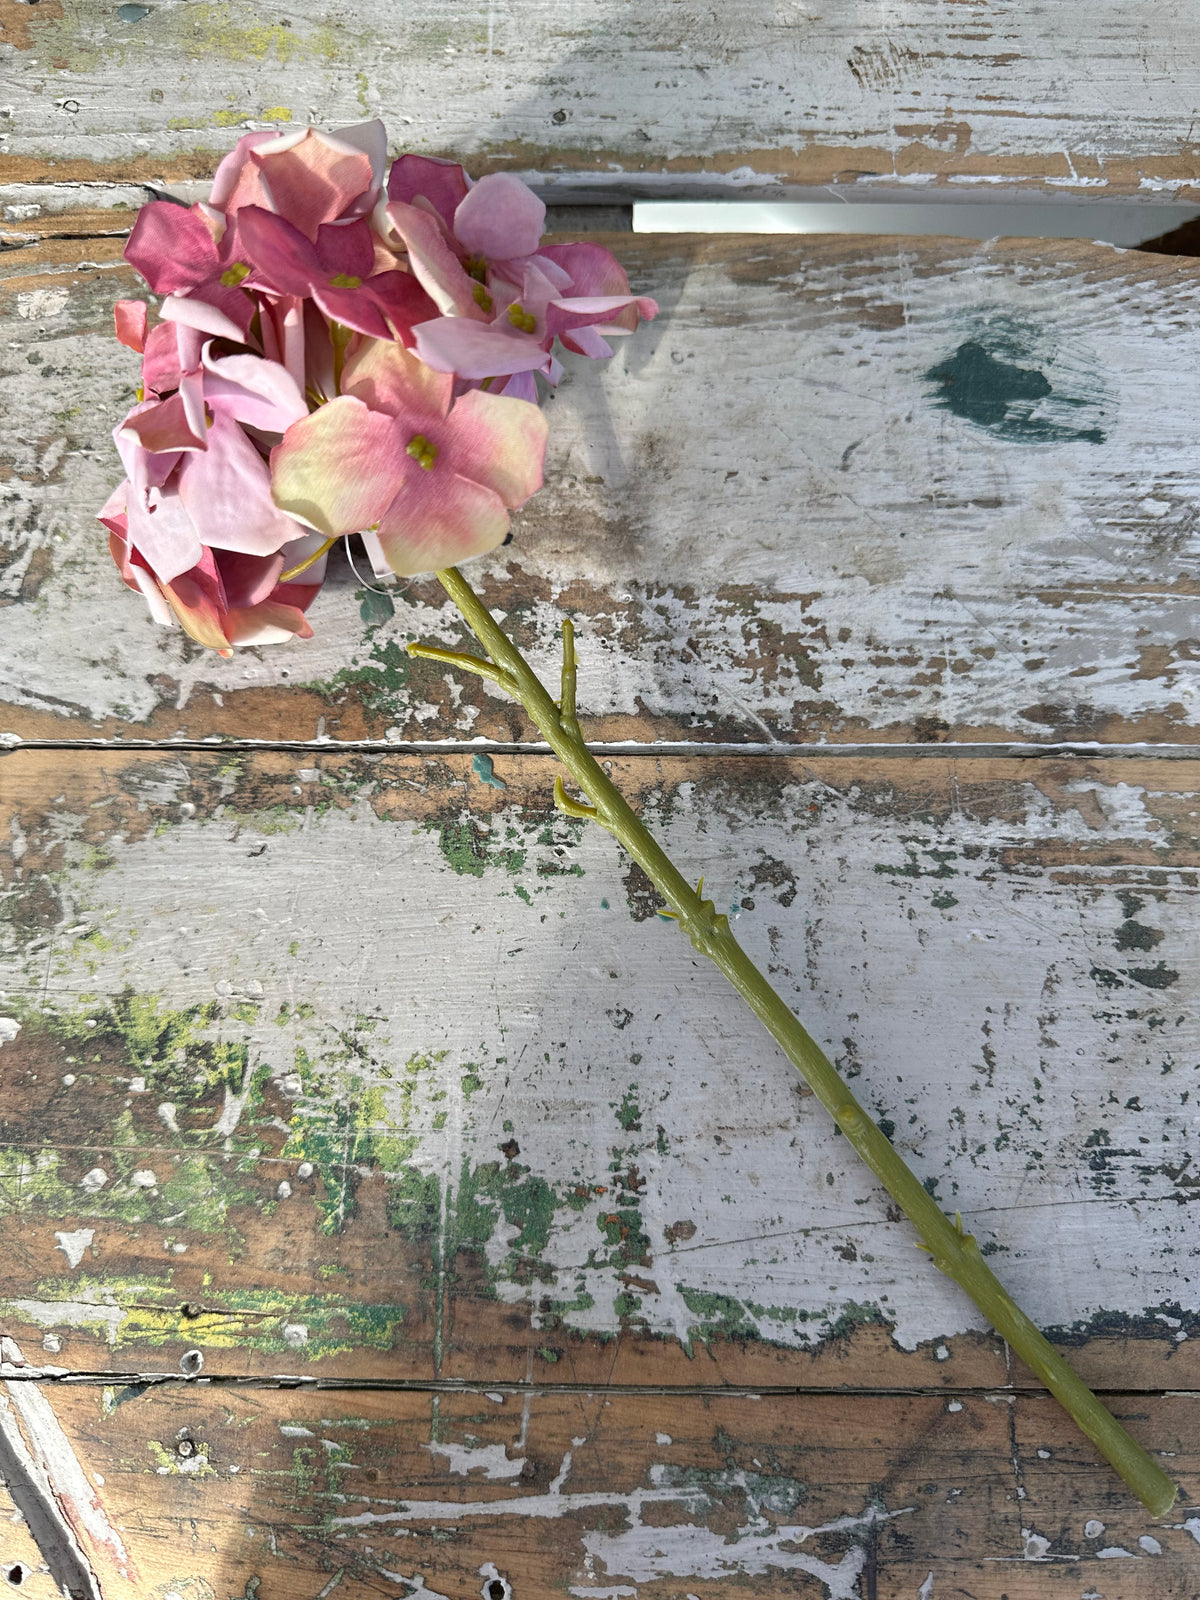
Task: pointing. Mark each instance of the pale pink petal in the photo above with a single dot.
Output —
(130, 319)
(199, 315)
(436, 266)
(236, 166)
(371, 139)
(520, 386)
(498, 441)
(161, 426)
(438, 519)
(389, 378)
(161, 530)
(252, 390)
(500, 217)
(339, 469)
(592, 268)
(587, 342)
(476, 349)
(227, 493)
(160, 364)
(267, 623)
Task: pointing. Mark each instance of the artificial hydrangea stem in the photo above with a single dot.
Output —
(954, 1251)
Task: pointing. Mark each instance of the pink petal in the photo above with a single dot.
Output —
(194, 313)
(402, 301)
(371, 139)
(162, 426)
(345, 249)
(227, 493)
(519, 387)
(592, 268)
(339, 469)
(171, 246)
(284, 258)
(438, 519)
(388, 378)
(432, 260)
(498, 441)
(160, 364)
(248, 579)
(130, 318)
(198, 600)
(235, 169)
(161, 530)
(353, 308)
(476, 349)
(443, 183)
(252, 390)
(587, 342)
(313, 179)
(614, 313)
(267, 623)
(500, 217)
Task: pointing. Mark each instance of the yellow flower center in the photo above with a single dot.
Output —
(477, 268)
(345, 280)
(233, 275)
(422, 451)
(482, 298)
(520, 318)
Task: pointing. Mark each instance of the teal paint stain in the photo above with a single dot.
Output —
(604, 905)
(481, 766)
(1003, 389)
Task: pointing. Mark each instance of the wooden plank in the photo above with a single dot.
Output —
(373, 1065)
(767, 517)
(669, 99)
(264, 1494)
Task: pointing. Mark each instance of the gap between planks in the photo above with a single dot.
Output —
(1002, 750)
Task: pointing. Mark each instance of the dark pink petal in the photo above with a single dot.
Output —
(402, 300)
(443, 183)
(227, 493)
(130, 319)
(437, 520)
(353, 308)
(345, 249)
(388, 378)
(248, 579)
(498, 441)
(500, 217)
(171, 246)
(339, 469)
(476, 349)
(284, 258)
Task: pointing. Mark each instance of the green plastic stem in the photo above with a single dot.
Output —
(955, 1252)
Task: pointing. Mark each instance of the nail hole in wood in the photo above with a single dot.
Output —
(16, 1574)
(191, 1363)
(185, 1447)
(497, 1589)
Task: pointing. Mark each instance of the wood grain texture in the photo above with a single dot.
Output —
(673, 98)
(842, 489)
(374, 1066)
(291, 1496)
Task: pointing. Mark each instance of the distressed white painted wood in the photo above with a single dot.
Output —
(1002, 955)
(766, 515)
(739, 97)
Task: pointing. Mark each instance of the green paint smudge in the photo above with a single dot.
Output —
(481, 766)
(990, 388)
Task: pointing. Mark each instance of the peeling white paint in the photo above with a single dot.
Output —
(75, 1245)
(490, 1459)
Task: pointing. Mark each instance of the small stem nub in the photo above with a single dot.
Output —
(573, 808)
(459, 658)
(566, 706)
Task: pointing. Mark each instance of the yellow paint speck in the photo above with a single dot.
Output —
(277, 114)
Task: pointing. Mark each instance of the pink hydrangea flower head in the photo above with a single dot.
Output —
(427, 480)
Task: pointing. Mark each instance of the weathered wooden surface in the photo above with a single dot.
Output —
(729, 99)
(602, 1494)
(374, 1066)
(842, 489)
